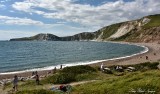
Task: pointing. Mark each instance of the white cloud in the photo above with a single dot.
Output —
(2, 6)
(6, 35)
(105, 14)
(18, 21)
(56, 29)
(3, 1)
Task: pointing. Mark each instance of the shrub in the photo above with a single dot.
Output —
(78, 69)
(153, 65)
(64, 78)
(147, 65)
(70, 74)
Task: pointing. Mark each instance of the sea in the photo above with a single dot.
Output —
(21, 56)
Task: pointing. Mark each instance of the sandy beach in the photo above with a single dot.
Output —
(153, 48)
(153, 56)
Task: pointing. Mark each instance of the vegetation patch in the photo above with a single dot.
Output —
(127, 84)
(41, 91)
(71, 74)
(155, 21)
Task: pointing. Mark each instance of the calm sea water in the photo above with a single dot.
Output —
(17, 56)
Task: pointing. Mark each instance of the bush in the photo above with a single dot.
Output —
(153, 65)
(146, 65)
(71, 74)
(78, 69)
(64, 78)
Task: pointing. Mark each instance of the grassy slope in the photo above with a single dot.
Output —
(107, 84)
(155, 21)
(148, 80)
(147, 77)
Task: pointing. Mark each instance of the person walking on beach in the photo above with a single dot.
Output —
(37, 79)
(102, 67)
(60, 66)
(15, 83)
(146, 57)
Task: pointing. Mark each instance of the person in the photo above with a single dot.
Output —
(146, 57)
(54, 70)
(33, 73)
(102, 67)
(37, 79)
(15, 83)
(60, 66)
(63, 88)
(117, 67)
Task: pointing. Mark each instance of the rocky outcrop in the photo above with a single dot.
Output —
(85, 36)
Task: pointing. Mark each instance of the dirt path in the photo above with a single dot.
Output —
(47, 87)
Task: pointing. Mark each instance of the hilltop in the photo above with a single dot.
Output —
(38, 37)
(146, 29)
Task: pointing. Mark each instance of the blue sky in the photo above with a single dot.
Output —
(23, 18)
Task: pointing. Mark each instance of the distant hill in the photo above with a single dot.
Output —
(38, 37)
(146, 29)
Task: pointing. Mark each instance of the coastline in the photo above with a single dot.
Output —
(150, 48)
(139, 58)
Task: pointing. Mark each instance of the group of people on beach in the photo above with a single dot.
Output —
(34, 75)
(37, 80)
(15, 80)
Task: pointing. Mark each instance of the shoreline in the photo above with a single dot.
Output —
(148, 49)
(136, 59)
(80, 63)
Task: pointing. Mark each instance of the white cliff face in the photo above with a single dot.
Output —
(143, 22)
(128, 26)
(124, 29)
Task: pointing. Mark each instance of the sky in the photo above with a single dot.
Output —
(23, 18)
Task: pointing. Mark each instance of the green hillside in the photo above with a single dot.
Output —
(155, 21)
(146, 33)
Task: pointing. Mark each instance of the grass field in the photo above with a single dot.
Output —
(143, 80)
